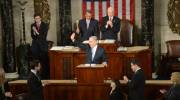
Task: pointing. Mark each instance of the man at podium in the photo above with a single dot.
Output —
(95, 54)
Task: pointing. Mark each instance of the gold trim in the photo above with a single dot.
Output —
(170, 15)
(42, 7)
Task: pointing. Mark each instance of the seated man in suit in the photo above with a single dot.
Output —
(88, 27)
(110, 25)
(137, 83)
(95, 54)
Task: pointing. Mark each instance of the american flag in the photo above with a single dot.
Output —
(124, 9)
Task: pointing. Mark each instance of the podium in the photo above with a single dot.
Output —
(90, 73)
(90, 81)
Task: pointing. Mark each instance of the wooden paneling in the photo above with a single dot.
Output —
(62, 64)
(63, 90)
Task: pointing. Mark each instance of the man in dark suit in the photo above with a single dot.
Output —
(88, 27)
(95, 54)
(34, 82)
(137, 83)
(110, 25)
(39, 31)
(39, 47)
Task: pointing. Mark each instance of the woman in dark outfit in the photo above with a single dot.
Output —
(174, 92)
(115, 93)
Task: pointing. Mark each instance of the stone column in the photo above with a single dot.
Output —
(8, 36)
(147, 22)
(65, 22)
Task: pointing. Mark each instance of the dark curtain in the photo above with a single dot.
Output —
(65, 22)
(8, 36)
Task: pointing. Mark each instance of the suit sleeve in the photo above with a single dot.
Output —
(103, 27)
(116, 25)
(33, 85)
(96, 29)
(136, 81)
(105, 59)
(81, 45)
(44, 31)
(32, 32)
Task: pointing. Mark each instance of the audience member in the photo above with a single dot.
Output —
(137, 83)
(110, 25)
(5, 93)
(34, 82)
(174, 92)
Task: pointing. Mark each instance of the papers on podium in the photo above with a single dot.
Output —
(91, 65)
(107, 41)
(65, 48)
(133, 48)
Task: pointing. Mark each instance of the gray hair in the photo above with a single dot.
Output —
(93, 37)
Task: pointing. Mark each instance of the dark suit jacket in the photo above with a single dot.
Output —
(42, 31)
(136, 86)
(116, 95)
(34, 87)
(93, 29)
(99, 57)
(110, 33)
(6, 88)
(173, 93)
(39, 43)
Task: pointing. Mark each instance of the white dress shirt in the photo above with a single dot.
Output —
(93, 50)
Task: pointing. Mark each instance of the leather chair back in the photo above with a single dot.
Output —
(125, 35)
(173, 48)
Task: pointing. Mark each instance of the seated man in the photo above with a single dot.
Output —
(95, 54)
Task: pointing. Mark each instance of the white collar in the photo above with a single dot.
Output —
(95, 47)
(137, 69)
(34, 71)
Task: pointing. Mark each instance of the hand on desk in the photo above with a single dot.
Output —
(44, 83)
(8, 94)
(105, 64)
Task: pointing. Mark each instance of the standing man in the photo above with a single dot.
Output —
(137, 83)
(39, 47)
(95, 54)
(110, 25)
(88, 27)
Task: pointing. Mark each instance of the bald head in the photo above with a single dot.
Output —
(110, 12)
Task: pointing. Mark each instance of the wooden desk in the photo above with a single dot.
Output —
(62, 64)
(68, 89)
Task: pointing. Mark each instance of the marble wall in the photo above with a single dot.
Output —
(162, 32)
(29, 13)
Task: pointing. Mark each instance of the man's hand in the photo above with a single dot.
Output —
(8, 94)
(125, 79)
(110, 23)
(35, 30)
(162, 91)
(73, 37)
(105, 64)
